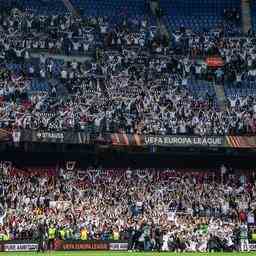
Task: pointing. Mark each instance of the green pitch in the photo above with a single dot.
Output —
(108, 253)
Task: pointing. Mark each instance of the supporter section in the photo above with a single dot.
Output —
(199, 206)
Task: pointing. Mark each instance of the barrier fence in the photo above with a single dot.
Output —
(122, 139)
(26, 246)
(60, 245)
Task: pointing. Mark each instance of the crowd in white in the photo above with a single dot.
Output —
(133, 82)
(191, 210)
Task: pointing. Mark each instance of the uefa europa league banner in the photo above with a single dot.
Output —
(184, 141)
(168, 140)
(122, 139)
(94, 245)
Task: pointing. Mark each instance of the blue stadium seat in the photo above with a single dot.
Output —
(116, 9)
(253, 9)
(245, 89)
(40, 7)
(197, 15)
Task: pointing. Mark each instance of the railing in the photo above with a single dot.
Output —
(122, 139)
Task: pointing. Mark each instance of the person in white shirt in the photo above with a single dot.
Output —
(103, 29)
(76, 46)
(42, 59)
(31, 71)
(19, 52)
(64, 74)
(86, 46)
(232, 102)
(165, 246)
(74, 65)
(43, 73)
(16, 134)
(244, 242)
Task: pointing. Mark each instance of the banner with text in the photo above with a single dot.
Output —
(122, 246)
(184, 141)
(122, 139)
(25, 247)
(90, 245)
(55, 137)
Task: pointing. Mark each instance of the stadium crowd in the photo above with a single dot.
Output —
(176, 210)
(131, 79)
(126, 77)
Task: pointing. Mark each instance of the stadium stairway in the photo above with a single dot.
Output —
(246, 15)
(157, 13)
(221, 96)
(70, 7)
(162, 28)
(61, 89)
